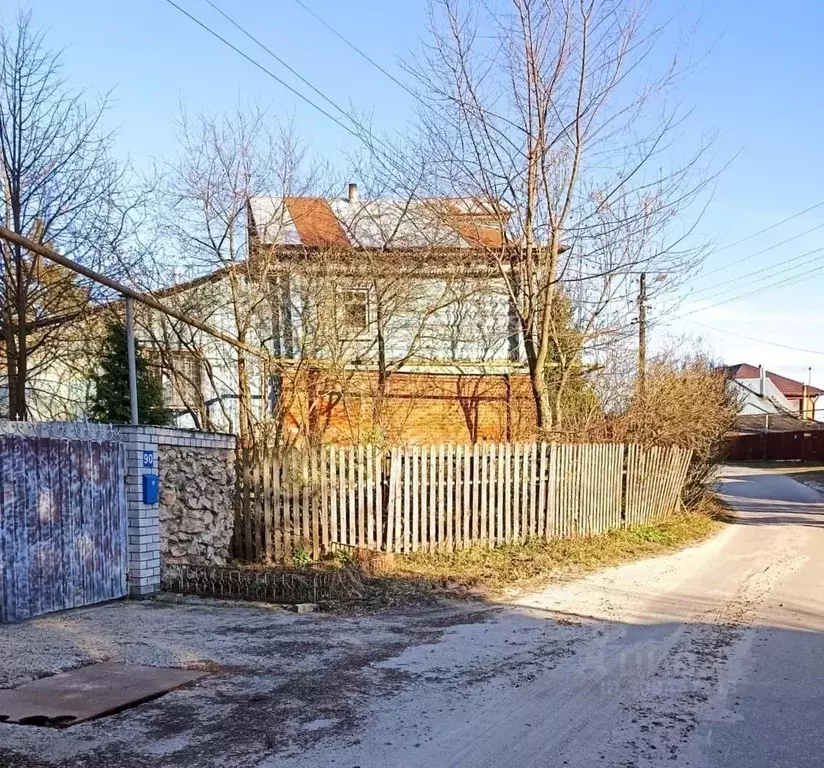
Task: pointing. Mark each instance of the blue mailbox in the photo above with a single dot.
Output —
(151, 484)
(151, 489)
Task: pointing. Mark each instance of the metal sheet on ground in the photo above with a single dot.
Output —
(89, 692)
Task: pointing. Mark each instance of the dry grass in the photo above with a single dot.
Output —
(492, 572)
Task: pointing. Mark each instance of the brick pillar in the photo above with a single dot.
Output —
(143, 520)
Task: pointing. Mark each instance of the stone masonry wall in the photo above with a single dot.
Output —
(197, 482)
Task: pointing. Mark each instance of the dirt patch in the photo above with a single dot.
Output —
(279, 683)
(484, 573)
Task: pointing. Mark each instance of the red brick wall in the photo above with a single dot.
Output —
(417, 408)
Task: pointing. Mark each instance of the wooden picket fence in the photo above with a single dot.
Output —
(440, 498)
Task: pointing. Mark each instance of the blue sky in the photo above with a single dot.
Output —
(758, 87)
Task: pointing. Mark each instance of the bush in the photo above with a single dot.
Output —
(686, 403)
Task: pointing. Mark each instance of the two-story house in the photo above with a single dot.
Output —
(381, 319)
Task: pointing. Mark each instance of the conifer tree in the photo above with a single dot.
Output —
(111, 398)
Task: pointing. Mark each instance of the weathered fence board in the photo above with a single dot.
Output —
(62, 524)
(445, 497)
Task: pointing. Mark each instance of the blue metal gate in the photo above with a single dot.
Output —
(63, 540)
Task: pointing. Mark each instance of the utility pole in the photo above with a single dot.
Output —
(642, 335)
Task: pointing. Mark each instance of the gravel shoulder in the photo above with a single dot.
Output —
(644, 664)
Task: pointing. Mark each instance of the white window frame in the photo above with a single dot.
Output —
(172, 398)
(347, 330)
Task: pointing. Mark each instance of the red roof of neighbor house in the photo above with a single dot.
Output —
(787, 387)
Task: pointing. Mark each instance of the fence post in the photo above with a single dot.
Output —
(416, 489)
(277, 512)
(361, 541)
(381, 460)
(370, 497)
(143, 520)
(390, 504)
(450, 491)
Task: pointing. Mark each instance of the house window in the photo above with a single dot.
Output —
(180, 374)
(353, 304)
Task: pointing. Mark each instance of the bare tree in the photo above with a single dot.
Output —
(59, 186)
(541, 110)
(205, 246)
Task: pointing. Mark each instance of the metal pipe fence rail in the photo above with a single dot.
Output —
(440, 498)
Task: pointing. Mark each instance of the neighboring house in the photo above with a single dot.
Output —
(771, 402)
(380, 319)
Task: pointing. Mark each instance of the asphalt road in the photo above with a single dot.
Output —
(709, 657)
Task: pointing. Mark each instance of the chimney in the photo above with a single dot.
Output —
(353, 193)
(762, 375)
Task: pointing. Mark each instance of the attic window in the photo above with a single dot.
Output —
(354, 309)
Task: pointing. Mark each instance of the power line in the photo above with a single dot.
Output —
(387, 154)
(260, 66)
(782, 284)
(386, 72)
(772, 226)
(283, 63)
(355, 48)
(757, 253)
(773, 269)
(757, 340)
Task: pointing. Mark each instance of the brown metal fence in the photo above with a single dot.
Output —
(777, 446)
(446, 497)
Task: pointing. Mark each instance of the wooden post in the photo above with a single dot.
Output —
(352, 538)
(380, 457)
(426, 511)
(483, 514)
(391, 503)
(499, 502)
(433, 501)
(334, 535)
(324, 498)
(370, 497)
(416, 492)
(508, 491)
(450, 493)
(277, 504)
(268, 506)
(467, 477)
(407, 533)
(306, 502)
(314, 501)
(361, 481)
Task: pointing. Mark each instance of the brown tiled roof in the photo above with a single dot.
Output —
(792, 388)
(787, 387)
(742, 371)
